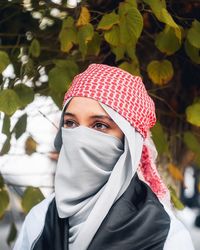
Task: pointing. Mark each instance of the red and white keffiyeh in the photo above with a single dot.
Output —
(119, 90)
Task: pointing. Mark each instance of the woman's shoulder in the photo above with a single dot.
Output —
(178, 237)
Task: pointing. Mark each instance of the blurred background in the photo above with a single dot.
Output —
(44, 44)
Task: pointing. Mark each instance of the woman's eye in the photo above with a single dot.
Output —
(100, 126)
(69, 124)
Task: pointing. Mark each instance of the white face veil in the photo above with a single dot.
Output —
(88, 216)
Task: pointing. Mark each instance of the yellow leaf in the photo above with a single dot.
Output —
(65, 47)
(67, 37)
(193, 144)
(34, 49)
(4, 61)
(84, 17)
(175, 200)
(193, 114)
(160, 72)
(30, 146)
(175, 172)
(133, 67)
(4, 198)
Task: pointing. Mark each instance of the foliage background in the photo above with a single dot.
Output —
(46, 43)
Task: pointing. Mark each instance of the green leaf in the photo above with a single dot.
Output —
(85, 34)
(68, 35)
(124, 35)
(192, 52)
(94, 45)
(112, 36)
(130, 51)
(12, 234)
(133, 67)
(1, 181)
(118, 51)
(25, 94)
(160, 72)
(167, 18)
(192, 143)
(30, 198)
(175, 200)
(6, 125)
(125, 6)
(167, 41)
(193, 114)
(68, 23)
(65, 41)
(4, 61)
(20, 126)
(9, 101)
(108, 21)
(4, 198)
(67, 38)
(68, 65)
(29, 68)
(34, 49)
(6, 147)
(156, 6)
(193, 34)
(30, 146)
(57, 98)
(159, 9)
(61, 75)
(131, 24)
(59, 79)
(160, 139)
(131, 3)
(134, 22)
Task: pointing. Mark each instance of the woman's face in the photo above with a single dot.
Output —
(89, 113)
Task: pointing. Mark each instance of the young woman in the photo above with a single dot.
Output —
(108, 194)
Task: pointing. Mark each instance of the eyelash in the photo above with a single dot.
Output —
(66, 124)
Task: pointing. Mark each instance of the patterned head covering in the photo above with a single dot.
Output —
(123, 92)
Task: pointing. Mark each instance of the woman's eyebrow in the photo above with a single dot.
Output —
(93, 116)
(101, 117)
(68, 113)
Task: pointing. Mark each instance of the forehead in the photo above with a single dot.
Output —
(84, 105)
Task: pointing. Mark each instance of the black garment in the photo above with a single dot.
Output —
(137, 221)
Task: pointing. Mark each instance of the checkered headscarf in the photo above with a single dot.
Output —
(119, 90)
